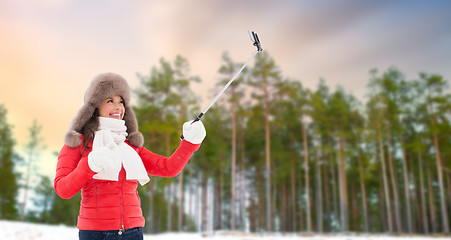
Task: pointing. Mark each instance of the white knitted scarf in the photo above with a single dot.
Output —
(114, 132)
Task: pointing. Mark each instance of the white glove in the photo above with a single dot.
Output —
(102, 158)
(194, 133)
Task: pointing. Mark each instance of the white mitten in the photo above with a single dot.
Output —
(194, 133)
(102, 158)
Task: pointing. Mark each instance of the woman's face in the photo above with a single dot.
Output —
(112, 107)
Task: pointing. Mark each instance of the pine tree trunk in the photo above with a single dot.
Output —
(170, 192)
(282, 210)
(335, 203)
(152, 186)
(319, 196)
(232, 188)
(301, 207)
(406, 186)
(307, 181)
(170, 198)
(425, 222)
(287, 206)
(431, 200)
(268, 161)
(343, 187)
(395, 186)
(261, 220)
(417, 210)
(326, 192)
(221, 197)
(274, 193)
(293, 195)
(382, 217)
(217, 218)
(252, 216)
(181, 202)
(363, 190)
(448, 183)
(151, 204)
(190, 199)
(243, 200)
(197, 205)
(354, 208)
(180, 176)
(417, 219)
(26, 187)
(204, 223)
(384, 177)
(243, 182)
(438, 159)
(416, 206)
(159, 221)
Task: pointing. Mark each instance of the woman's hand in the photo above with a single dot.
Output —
(194, 132)
(102, 158)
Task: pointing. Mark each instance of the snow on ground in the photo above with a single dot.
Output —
(10, 230)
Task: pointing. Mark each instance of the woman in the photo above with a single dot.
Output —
(103, 157)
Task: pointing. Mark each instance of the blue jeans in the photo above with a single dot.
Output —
(128, 234)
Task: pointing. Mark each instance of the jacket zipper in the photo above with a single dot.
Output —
(122, 203)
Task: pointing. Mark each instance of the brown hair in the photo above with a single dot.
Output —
(90, 128)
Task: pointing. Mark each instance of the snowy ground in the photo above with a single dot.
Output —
(10, 230)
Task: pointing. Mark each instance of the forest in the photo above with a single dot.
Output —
(278, 157)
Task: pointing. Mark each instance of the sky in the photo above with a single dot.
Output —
(51, 49)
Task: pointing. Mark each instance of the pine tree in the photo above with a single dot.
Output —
(436, 103)
(340, 110)
(164, 100)
(185, 100)
(234, 95)
(32, 149)
(9, 178)
(322, 129)
(358, 123)
(43, 198)
(264, 75)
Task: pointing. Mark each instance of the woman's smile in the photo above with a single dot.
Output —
(116, 115)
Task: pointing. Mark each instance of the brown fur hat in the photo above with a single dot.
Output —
(103, 86)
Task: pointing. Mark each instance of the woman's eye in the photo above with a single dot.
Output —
(110, 101)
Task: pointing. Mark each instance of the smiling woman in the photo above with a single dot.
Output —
(111, 162)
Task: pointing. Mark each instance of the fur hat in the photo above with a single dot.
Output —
(103, 86)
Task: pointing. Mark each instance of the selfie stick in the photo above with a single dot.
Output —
(256, 43)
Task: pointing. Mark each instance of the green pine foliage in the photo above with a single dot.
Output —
(9, 177)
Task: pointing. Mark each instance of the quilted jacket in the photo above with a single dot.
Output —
(112, 205)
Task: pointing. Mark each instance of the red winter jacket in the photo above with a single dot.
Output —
(112, 205)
